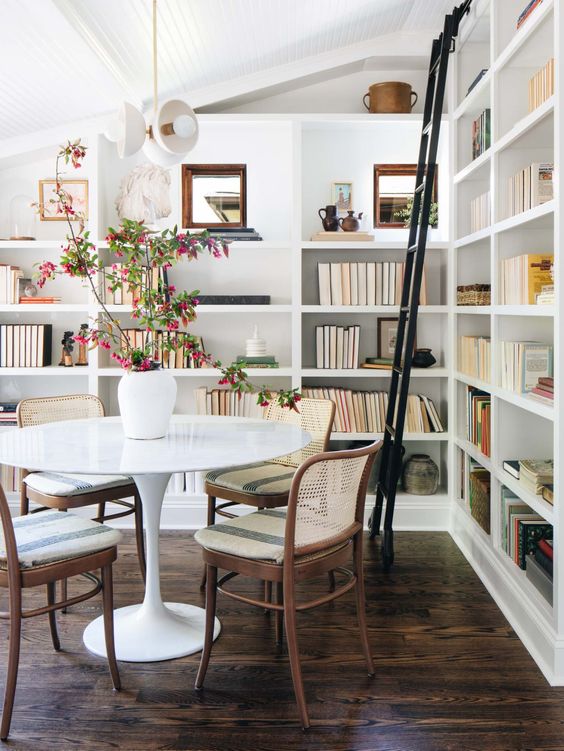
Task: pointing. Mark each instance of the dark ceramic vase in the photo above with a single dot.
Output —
(423, 358)
(420, 475)
(330, 221)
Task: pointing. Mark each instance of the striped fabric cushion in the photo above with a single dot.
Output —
(49, 536)
(259, 536)
(264, 478)
(54, 483)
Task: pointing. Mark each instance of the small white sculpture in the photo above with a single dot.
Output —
(255, 347)
(144, 194)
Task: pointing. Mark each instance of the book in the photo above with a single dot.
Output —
(478, 78)
(25, 345)
(535, 473)
(481, 134)
(478, 412)
(541, 85)
(522, 363)
(363, 283)
(324, 282)
(512, 466)
(337, 347)
(530, 532)
(260, 360)
(480, 212)
(529, 187)
(526, 12)
(225, 402)
(523, 277)
(474, 356)
(547, 493)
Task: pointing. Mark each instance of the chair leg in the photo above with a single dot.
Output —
(13, 662)
(53, 616)
(211, 598)
(279, 614)
(24, 501)
(361, 602)
(211, 520)
(64, 587)
(267, 595)
(293, 652)
(139, 539)
(101, 512)
(108, 605)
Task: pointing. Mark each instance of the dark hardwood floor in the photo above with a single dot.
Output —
(451, 674)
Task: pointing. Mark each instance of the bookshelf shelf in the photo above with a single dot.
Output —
(523, 310)
(477, 100)
(541, 215)
(518, 400)
(536, 502)
(475, 453)
(542, 15)
(213, 309)
(373, 436)
(527, 127)
(432, 372)
(373, 309)
(212, 373)
(52, 371)
(31, 244)
(476, 169)
(475, 237)
(45, 308)
(381, 245)
(473, 310)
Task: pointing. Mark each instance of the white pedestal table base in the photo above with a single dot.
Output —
(153, 630)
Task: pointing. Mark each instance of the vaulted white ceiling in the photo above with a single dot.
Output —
(65, 60)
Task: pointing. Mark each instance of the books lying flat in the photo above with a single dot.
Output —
(337, 346)
(526, 12)
(522, 363)
(364, 283)
(512, 466)
(343, 237)
(365, 411)
(523, 277)
(25, 345)
(226, 402)
(534, 474)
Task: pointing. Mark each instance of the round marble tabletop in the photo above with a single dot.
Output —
(98, 446)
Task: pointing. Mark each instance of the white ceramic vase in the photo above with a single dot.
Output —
(146, 402)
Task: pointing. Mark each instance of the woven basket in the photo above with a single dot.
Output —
(480, 498)
(473, 294)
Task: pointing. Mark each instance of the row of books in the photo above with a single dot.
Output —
(179, 358)
(10, 284)
(478, 419)
(522, 528)
(365, 411)
(480, 212)
(474, 356)
(363, 283)
(8, 414)
(541, 85)
(536, 475)
(481, 133)
(125, 296)
(523, 363)
(528, 188)
(191, 483)
(25, 345)
(226, 402)
(544, 390)
(337, 346)
(526, 12)
(522, 278)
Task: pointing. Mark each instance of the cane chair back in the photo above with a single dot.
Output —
(56, 408)
(315, 416)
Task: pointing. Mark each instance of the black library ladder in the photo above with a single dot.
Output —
(391, 462)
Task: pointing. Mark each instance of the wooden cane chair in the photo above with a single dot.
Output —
(66, 491)
(323, 522)
(44, 548)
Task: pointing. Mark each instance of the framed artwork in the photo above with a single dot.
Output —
(342, 195)
(214, 195)
(387, 335)
(393, 195)
(48, 203)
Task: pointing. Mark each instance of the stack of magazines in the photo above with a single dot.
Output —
(235, 233)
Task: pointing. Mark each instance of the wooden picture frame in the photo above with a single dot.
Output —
(386, 340)
(228, 204)
(380, 207)
(78, 189)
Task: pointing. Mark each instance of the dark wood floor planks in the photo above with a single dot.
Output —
(451, 674)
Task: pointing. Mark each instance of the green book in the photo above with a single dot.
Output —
(262, 360)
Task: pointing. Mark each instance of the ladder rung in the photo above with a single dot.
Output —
(427, 127)
(397, 369)
(419, 188)
(412, 248)
(390, 430)
(405, 309)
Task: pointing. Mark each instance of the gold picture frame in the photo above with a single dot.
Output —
(78, 189)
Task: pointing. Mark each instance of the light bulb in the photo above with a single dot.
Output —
(184, 126)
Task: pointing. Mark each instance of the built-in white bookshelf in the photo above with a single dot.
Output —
(521, 427)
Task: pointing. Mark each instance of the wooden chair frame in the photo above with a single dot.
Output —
(100, 498)
(15, 579)
(295, 569)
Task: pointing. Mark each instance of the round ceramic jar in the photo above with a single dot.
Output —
(420, 475)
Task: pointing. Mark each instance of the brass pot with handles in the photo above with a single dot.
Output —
(390, 96)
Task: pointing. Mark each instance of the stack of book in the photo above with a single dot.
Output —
(49, 300)
(261, 361)
(337, 346)
(365, 411)
(544, 390)
(8, 414)
(230, 234)
(523, 363)
(10, 284)
(480, 212)
(540, 567)
(526, 12)
(530, 187)
(125, 296)
(478, 419)
(541, 85)
(521, 528)
(226, 402)
(378, 363)
(522, 278)
(25, 345)
(179, 358)
(546, 296)
(481, 134)
(363, 283)
(474, 356)
(535, 474)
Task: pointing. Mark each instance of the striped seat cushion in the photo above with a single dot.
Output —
(264, 478)
(259, 536)
(49, 536)
(54, 483)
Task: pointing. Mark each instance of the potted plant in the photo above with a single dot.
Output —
(146, 391)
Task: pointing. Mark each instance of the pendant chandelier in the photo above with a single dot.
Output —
(166, 135)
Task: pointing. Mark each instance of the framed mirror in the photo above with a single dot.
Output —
(393, 195)
(214, 195)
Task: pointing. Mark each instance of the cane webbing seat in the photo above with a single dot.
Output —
(50, 536)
